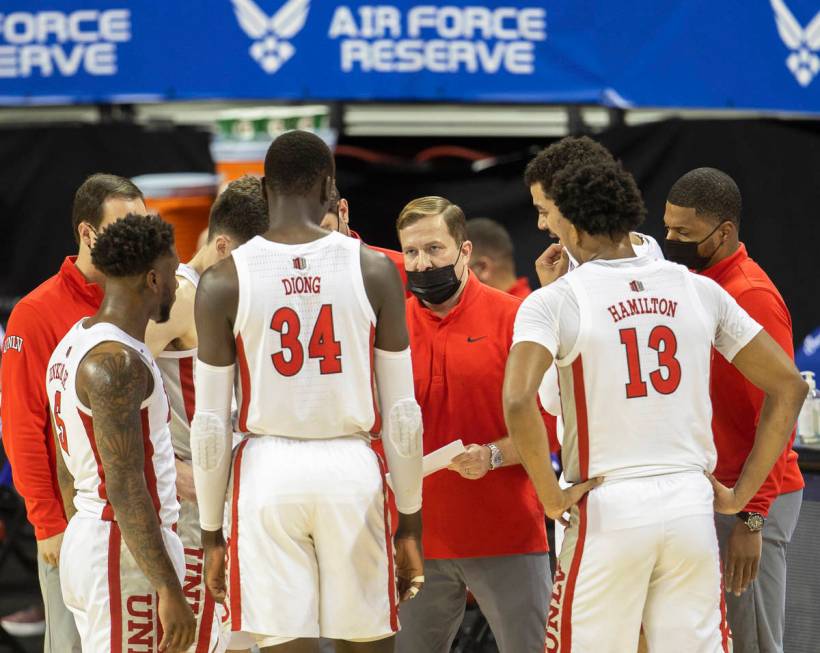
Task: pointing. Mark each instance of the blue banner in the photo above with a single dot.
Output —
(753, 54)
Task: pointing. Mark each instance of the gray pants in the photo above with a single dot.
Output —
(757, 617)
(61, 631)
(513, 592)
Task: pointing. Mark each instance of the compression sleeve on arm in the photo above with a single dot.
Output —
(211, 437)
(402, 426)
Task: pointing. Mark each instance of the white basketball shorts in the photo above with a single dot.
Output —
(640, 551)
(114, 605)
(310, 550)
(209, 614)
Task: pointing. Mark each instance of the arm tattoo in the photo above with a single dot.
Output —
(117, 382)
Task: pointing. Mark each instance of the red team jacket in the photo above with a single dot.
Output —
(458, 370)
(736, 403)
(38, 322)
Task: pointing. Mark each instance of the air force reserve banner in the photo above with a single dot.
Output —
(546, 51)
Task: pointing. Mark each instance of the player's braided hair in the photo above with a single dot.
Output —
(240, 211)
(131, 245)
(599, 198)
(566, 152)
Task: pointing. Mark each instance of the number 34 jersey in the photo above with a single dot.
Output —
(632, 340)
(304, 334)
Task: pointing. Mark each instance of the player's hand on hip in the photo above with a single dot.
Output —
(569, 497)
(409, 566)
(213, 545)
(726, 502)
(178, 623)
(49, 549)
(473, 464)
(743, 552)
(552, 264)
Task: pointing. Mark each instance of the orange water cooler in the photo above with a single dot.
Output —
(184, 200)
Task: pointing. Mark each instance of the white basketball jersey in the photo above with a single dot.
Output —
(177, 368)
(632, 340)
(548, 392)
(304, 339)
(75, 426)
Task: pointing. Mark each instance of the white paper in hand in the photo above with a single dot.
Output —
(438, 459)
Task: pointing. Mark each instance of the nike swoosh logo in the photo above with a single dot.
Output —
(469, 339)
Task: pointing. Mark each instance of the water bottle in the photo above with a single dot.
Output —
(808, 421)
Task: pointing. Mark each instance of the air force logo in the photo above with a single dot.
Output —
(803, 43)
(271, 48)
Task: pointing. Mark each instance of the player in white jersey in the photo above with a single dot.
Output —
(121, 564)
(309, 320)
(238, 214)
(632, 340)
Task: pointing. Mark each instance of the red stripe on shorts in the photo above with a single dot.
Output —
(186, 384)
(245, 383)
(724, 626)
(235, 587)
(114, 590)
(581, 417)
(388, 539)
(206, 622)
(569, 595)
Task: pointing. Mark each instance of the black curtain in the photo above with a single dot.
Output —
(41, 168)
(775, 163)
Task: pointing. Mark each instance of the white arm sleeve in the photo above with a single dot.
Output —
(211, 439)
(401, 426)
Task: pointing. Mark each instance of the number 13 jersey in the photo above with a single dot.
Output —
(632, 340)
(304, 334)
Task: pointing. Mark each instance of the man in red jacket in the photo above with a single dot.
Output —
(38, 322)
(703, 221)
(483, 525)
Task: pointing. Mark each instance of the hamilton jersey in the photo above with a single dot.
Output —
(632, 340)
(177, 368)
(74, 423)
(304, 334)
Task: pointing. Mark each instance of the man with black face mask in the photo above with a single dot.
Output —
(703, 221)
(483, 526)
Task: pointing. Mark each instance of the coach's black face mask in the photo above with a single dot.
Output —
(686, 252)
(436, 285)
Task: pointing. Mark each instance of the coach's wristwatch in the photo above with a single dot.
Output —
(496, 457)
(754, 520)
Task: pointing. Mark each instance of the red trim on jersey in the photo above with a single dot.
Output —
(186, 383)
(392, 590)
(88, 423)
(377, 418)
(114, 590)
(205, 624)
(245, 383)
(581, 417)
(148, 462)
(569, 595)
(235, 596)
